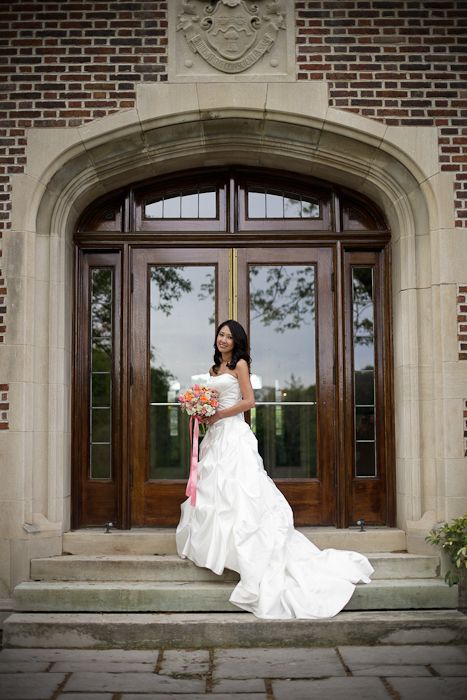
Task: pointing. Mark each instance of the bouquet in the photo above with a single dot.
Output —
(199, 402)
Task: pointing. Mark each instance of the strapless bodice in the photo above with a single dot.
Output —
(228, 387)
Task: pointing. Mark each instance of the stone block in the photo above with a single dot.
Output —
(276, 663)
(185, 662)
(381, 670)
(215, 97)
(335, 688)
(238, 685)
(366, 130)
(83, 656)
(33, 686)
(12, 666)
(194, 696)
(309, 101)
(271, 56)
(101, 666)
(92, 696)
(131, 683)
(428, 688)
(448, 670)
(416, 146)
(49, 148)
(403, 655)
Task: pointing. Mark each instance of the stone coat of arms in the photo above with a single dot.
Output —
(231, 35)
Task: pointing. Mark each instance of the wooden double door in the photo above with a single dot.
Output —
(315, 317)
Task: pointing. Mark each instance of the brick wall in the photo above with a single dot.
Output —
(403, 63)
(62, 64)
(462, 320)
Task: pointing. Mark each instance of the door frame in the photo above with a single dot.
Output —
(158, 498)
(311, 497)
(351, 223)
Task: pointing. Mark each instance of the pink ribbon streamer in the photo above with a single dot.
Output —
(193, 478)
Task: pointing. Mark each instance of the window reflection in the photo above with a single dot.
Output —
(283, 336)
(182, 317)
(277, 204)
(198, 204)
(101, 341)
(364, 370)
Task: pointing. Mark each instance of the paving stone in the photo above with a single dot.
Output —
(332, 688)
(428, 688)
(250, 685)
(403, 655)
(180, 661)
(80, 655)
(159, 696)
(88, 696)
(33, 686)
(132, 683)
(102, 667)
(381, 670)
(276, 663)
(13, 666)
(450, 669)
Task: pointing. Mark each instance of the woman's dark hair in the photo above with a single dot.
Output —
(240, 348)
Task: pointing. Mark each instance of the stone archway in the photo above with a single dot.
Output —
(176, 127)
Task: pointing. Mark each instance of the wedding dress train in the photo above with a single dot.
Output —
(241, 521)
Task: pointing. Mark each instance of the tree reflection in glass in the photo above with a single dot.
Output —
(182, 311)
(101, 340)
(283, 341)
(364, 371)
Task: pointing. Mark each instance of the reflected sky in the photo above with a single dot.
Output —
(182, 339)
(279, 355)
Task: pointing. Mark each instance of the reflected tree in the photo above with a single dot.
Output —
(287, 300)
(362, 303)
(207, 290)
(171, 285)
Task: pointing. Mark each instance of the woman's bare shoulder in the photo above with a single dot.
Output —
(242, 366)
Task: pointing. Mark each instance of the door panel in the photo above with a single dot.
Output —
(286, 301)
(366, 400)
(178, 297)
(97, 414)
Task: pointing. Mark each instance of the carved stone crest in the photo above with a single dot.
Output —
(231, 35)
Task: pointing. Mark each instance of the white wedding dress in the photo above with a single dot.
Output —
(241, 521)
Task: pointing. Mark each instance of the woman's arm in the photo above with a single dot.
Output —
(248, 398)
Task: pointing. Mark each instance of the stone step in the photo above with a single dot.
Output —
(169, 567)
(124, 596)
(237, 629)
(162, 540)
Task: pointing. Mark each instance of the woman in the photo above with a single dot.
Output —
(241, 521)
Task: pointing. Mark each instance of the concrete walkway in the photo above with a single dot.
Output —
(406, 672)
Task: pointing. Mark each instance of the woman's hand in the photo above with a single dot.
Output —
(213, 419)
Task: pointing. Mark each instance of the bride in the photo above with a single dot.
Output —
(241, 521)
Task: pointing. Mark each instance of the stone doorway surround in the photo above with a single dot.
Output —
(178, 126)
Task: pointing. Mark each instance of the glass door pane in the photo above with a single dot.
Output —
(182, 314)
(285, 299)
(367, 389)
(364, 371)
(178, 297)
(283, 341)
